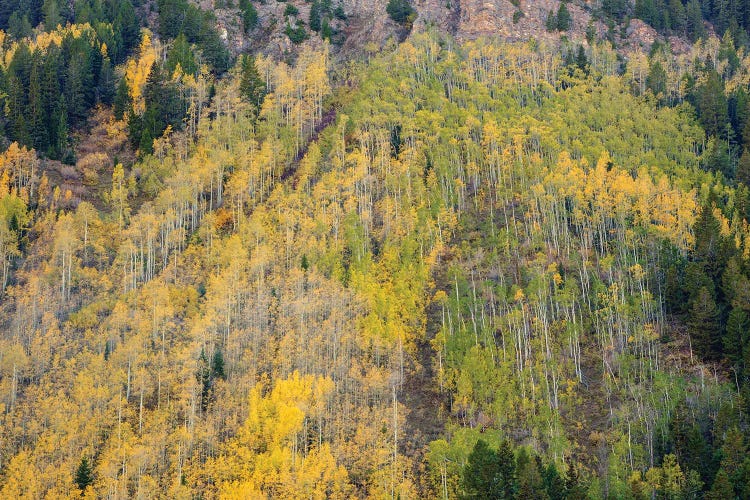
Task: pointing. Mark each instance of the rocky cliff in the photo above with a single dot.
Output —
(368, 28)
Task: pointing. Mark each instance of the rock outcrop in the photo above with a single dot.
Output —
(367, 27)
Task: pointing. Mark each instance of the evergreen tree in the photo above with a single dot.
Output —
(574, 487)
(674, 292)
(122, 100)
(79, 89)
(530, 482)
(554, 484)
(693, 487)
(401, 11)
(315, 15)
(717, 157)
(135, 128)
(127, 27)
(722, 488)
(564, 20)
(252, 86)
(736, 337)
(326, 32)
(694, 21)
(646, 10)
(489, 474)
(743, 167)
(582, 62)
(551, 22)
(84, 476)
(711, 104)
(705, 328)
(733, 452)
(615, 8)
(37, 122)
(105, 89)
(51, 15)
(174, 18)
(181, 53)
(656, 81)
(214, 51)
(204, 378)
(678, 16)
(249, 15)
(59, 122)
(708, 241)
(217, 365)
(19, 26)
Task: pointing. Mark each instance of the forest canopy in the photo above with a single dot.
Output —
(474, 270)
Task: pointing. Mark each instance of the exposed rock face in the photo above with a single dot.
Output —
(368, 24)
(367, 27)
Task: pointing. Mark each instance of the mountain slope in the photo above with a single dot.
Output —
(249, 315)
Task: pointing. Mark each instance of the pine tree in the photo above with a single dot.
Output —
(105, 89)
(694, 21)
(705, 329)
(582, 61)
(127, 26)
(252, 86)
(215, 52)
(743, 167)
(489, 474)
(84, 476)
(708, 241)
(554, 484)
(249, 15)
(51, 13)
(678, 16)
(217, 365)
(326, 32)
(693, 488)
(551, 22)
(401, 11)
(722, 488)
(181, 53)
(315, 15)
(736, 337)
(574, 487)
(564, 19)
(36, 111)
(122, 102)
(204, 378)
(530, 482)
(711, 104)
(656, 80)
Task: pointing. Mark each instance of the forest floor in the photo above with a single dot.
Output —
(428, 406)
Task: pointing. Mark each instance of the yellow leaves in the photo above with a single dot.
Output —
(263, 459)
(18, 166)
(637, 272)
(724, 231)
(440, 297)
(608, 192)
(557, 279)
(275, 418)
(119, 194)
(320, 478)
(21, 478)
(42, 40)
(137, 71)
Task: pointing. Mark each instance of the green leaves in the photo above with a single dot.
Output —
(401, 11)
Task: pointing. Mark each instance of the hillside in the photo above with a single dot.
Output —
(454, 255)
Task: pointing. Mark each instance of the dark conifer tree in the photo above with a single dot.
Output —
(252, 86)
(489, 474)
(84, 476)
